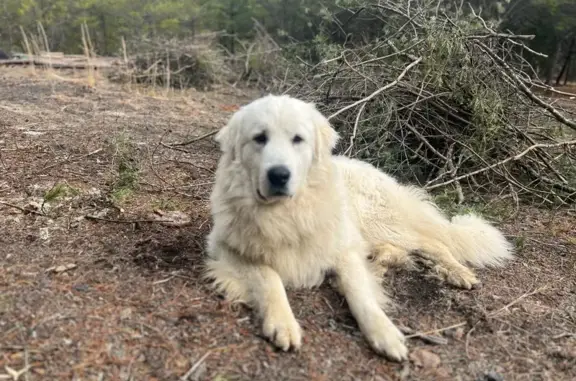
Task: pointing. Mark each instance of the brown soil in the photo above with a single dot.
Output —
(131, 305)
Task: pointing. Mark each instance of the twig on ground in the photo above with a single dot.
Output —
(194, 367)
(15, 374)
(494, 313)
(94, 218)
(23, 210)
(436, 340)
(69, 160)
(489, 315)
(175, 148)
(439, 330)
(517, 300)
(192, 164)
(194, 140)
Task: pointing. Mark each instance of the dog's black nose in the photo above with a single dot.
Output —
(278, 176)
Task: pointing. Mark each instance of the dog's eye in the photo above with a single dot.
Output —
(261, 138)
(297, 139)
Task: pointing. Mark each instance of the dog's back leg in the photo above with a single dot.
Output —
(387, 255)
(446, 265)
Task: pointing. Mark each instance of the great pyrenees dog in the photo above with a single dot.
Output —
(287, 212)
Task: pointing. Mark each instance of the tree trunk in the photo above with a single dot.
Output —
(566, 62)
(104, 33)
(567, 76)
(551, 64)
(232, 30)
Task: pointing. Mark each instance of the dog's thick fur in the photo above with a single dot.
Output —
(339, 215)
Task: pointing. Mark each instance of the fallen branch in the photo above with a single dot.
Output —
(55, 65)
(504, 35)
(94, 218)
(23, 210)
(439, 330)
(353, 136)
(501, 162)
(550, 88)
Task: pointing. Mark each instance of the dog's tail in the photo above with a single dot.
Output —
(477, 242)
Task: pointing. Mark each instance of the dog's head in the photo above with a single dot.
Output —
(277, 140)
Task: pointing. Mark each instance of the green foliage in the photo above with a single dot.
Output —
(59, 191)
(553, 22)
(285, 20)
(127, 169)
(110, 20)
(107, 20)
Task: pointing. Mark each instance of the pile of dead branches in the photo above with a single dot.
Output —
(439, 97)
(179, 63)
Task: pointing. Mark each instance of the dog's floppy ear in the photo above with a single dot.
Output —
(227, 137)
(326, 137)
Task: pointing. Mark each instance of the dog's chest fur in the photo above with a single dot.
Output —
(296, 238)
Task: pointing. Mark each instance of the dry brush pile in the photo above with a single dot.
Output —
(177, 63)
(439, 97)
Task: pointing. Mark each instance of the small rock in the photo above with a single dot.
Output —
(39, 371)
(94, 192)
(33, 133)
(81, 287)
(459, 333)
(61, 268)
(44, 234)
(126, 313)
(76, 222)
(34, 205)
(425, 359)
(101, 213)
(491, 376)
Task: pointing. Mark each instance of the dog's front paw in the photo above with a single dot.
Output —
(387, 340)
(285, 332)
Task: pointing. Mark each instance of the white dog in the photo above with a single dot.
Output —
(286, 212)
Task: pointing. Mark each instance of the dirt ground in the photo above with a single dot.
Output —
(96, 285)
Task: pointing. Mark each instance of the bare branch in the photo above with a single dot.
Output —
(375, 93)
(526, 90)
(501, 162)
